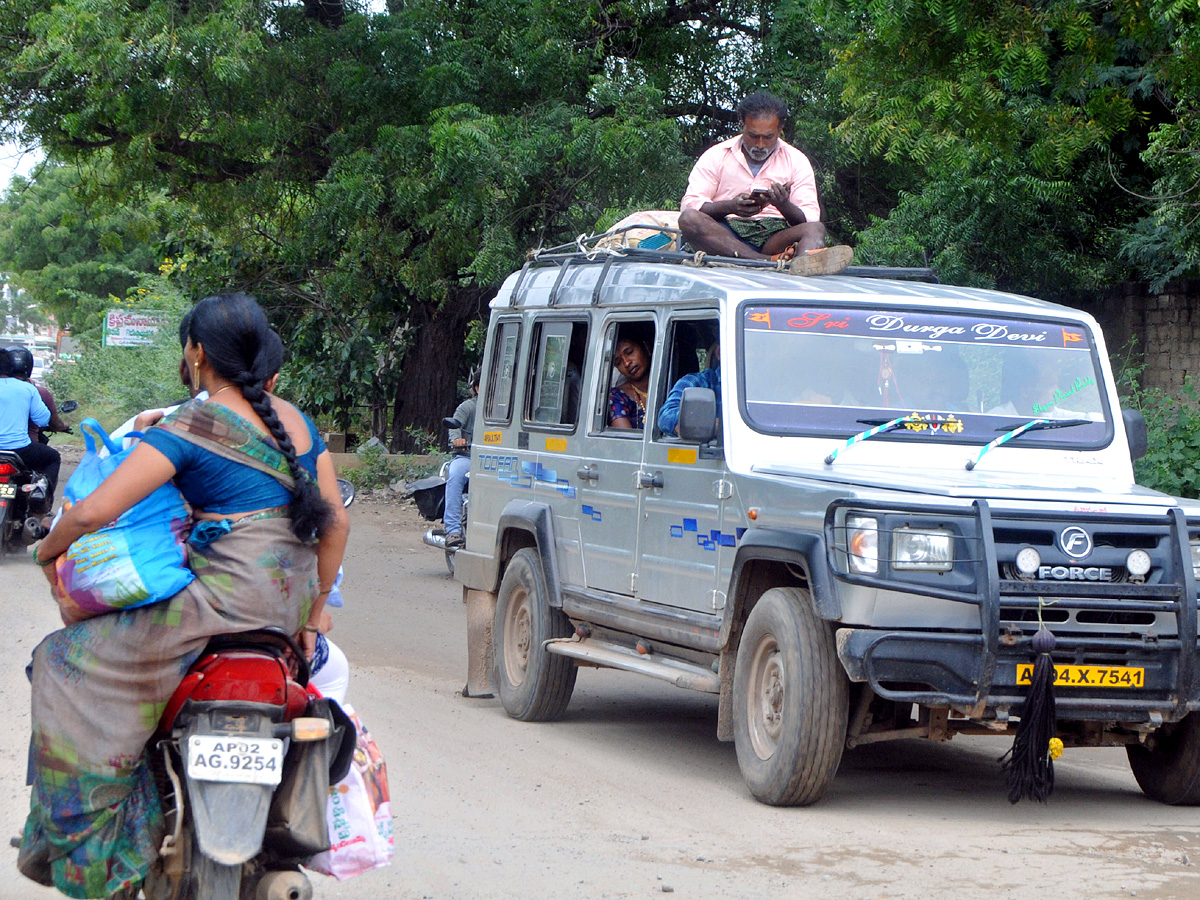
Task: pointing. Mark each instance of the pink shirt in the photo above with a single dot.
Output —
(722, 172)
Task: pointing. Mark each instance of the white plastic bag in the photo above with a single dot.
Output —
(359, 814)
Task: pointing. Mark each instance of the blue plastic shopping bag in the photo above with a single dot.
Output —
(138, 559)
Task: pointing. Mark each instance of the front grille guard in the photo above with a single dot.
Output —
(1176, 595)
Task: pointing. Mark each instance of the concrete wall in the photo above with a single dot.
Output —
(1167, 327)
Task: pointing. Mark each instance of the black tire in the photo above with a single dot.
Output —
(534, 685)
(1167, 768)
(790, 701)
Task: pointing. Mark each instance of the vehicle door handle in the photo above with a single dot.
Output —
(649, 480)
(588, 473)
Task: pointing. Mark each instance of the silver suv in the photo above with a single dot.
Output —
(853, 532)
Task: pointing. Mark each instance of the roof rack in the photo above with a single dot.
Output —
(585, 248)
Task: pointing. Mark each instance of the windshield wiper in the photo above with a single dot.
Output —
(1016, 432)
(882, 426)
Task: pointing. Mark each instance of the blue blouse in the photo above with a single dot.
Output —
(215, 484)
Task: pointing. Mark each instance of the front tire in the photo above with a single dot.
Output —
(534, 685)
(1169, 771)
(790, 701)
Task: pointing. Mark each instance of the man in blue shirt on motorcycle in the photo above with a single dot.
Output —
(20, 404)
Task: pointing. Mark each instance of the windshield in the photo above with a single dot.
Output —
(820, 370)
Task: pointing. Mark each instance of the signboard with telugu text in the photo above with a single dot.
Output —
(126, 328)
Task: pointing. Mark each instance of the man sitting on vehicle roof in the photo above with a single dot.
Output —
(754, 196)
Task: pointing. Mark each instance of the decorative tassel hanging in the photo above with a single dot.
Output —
(1029, 763)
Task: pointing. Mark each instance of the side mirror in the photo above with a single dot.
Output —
(68, 406)
(1135, 431)
(697, 415)
(346, 489)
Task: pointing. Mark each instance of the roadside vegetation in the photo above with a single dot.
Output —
(371, 174)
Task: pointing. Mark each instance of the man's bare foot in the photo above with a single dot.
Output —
(826, 261)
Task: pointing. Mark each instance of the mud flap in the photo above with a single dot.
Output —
(230, 818)
(481, 611)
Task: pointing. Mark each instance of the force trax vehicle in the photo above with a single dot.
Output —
(877, 493)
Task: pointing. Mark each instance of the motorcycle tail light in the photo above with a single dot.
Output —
(309, 728)
(8, 469)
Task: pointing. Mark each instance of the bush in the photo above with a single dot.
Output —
(1172, 460)
(114, 383)
(378, 470)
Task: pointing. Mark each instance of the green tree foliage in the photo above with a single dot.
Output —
(1055, 138)
(372, 177)
(71, 250)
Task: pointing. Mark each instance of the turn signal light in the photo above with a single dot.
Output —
(310, 728)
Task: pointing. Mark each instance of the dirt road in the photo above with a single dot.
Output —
(632, 796)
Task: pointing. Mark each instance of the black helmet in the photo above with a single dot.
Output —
(5, 364)
(22, 361)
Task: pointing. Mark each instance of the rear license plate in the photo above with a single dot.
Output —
(1089, 676)
(7, 491)
(214, 757)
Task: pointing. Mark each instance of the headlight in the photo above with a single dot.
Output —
(1196, 559)
(862, 543)
(923, 549)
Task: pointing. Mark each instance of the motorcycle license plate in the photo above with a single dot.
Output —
(1089, 676)
(8, 491)
(215, 757)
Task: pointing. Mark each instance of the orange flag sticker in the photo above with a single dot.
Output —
(1071, 337)
(760, 317)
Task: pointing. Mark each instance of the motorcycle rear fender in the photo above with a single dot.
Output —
(229, 819)
(245, 678)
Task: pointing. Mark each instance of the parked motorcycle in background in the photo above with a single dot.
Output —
(430, 495)
(24, 499)
(244, 758)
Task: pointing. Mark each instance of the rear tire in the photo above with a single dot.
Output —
(1169, 771)
(534, 684)
(790, 701)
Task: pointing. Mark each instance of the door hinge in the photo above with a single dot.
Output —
(723, 489)
(633, 582)
(717, 599)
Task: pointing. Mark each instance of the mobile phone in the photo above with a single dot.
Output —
(760, 193)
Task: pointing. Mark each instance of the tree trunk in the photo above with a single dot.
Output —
(429, 375)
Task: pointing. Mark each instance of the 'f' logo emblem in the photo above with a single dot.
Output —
(1075, 542)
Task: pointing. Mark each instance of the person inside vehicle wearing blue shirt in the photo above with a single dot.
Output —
(668, 416)
(20, 404)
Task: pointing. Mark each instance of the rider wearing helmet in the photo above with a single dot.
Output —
(20, 404)
(22, 361)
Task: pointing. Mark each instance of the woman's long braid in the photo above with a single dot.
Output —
(309, 512)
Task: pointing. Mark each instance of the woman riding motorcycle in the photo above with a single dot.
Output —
(268, 535)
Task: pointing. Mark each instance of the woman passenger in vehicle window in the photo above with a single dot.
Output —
(627, 401)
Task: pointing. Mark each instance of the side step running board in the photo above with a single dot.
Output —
(614, 656)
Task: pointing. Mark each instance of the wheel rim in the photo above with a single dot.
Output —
(768, 685)
(518, 635)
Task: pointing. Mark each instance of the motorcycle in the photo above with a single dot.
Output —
(23, 500)
(430, 495)
(44, 432)
(244, 757)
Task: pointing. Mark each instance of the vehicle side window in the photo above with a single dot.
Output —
(501, 374)
(692, 347)
(557, 375)
(624, 382)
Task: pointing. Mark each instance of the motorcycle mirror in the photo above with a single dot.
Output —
(347, 490)
(68, 406)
